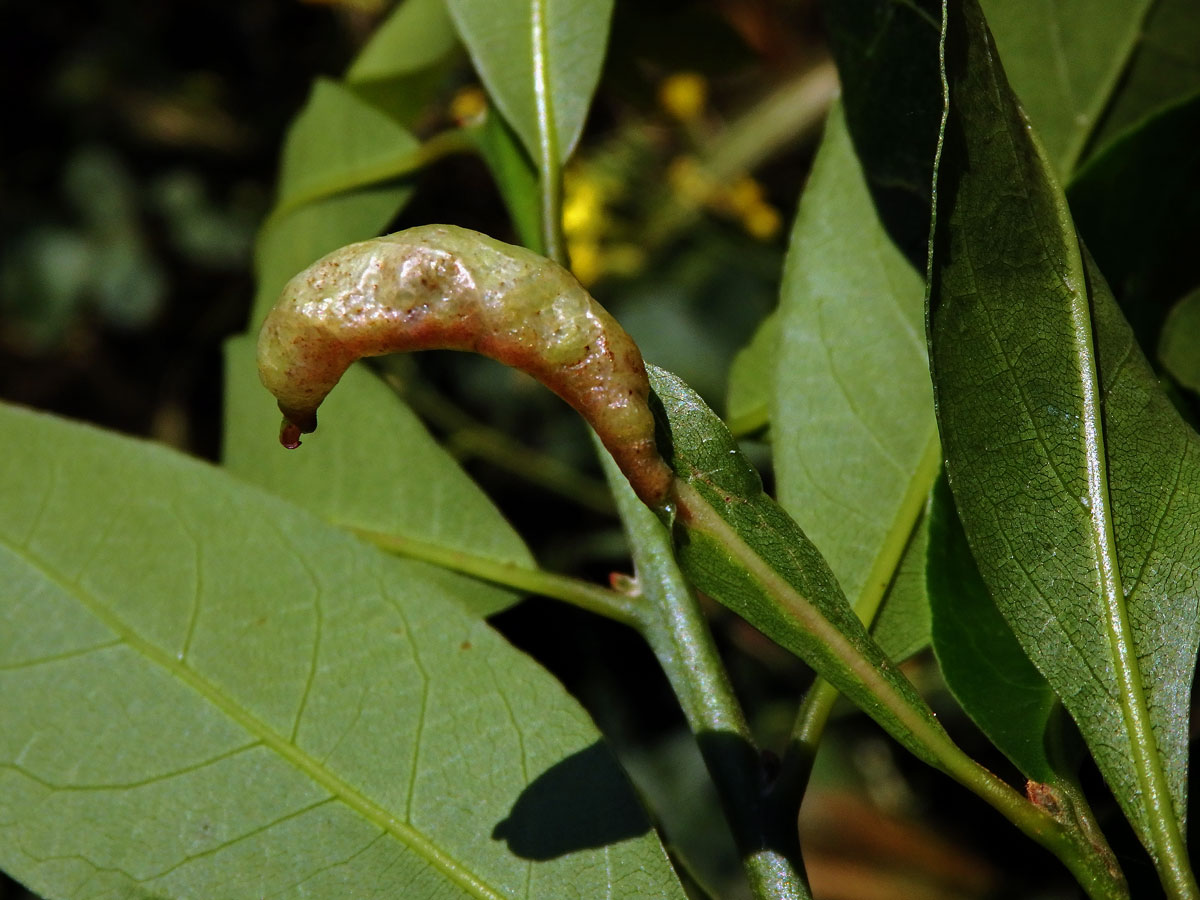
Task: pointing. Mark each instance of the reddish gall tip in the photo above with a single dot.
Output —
(289, 435)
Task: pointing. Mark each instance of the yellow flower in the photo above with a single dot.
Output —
(583, 206)
(468, 106)
(684, 95)
(762, 221)
(587, 263)
(744, 196)
(689, 180)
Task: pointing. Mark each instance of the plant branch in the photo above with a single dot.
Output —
(601, 601)
(818, 701)
(763, 820)
(918, 724)
(793, 109)
(468, 437)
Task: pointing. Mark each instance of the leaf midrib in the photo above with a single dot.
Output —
(335, 786)
(1164, 835)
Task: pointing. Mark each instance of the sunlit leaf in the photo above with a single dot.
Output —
(371, 466)
(787, 590)
(852, 423)
(338, 143)
(207, 692)
(540, 61)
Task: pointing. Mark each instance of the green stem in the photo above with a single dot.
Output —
(913, 723)
(467, 437)
(602, 601)
(549, 166)
(818, 702)
(763, 822)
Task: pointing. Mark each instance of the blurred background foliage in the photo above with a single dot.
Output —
(141, 150)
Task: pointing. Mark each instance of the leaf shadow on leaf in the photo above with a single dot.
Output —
(581, 803)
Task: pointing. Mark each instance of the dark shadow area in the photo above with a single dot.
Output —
(887, 54)
(581, 803)
(766, 817)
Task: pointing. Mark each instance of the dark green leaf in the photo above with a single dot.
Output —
(1179, 349)
(207, 692)
(980, 658)
(1078, 484)
(1064, 61)
(852, 422)
(540, 61)
(1164, 69)
(1137, 205)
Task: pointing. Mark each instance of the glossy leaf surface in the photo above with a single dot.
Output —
(1078, 484)
(540, 61)
(207, 692)
(788, 593)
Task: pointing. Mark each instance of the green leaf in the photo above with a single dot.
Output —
(339, 142)
(207, 692)
(1165, 68)
(980, 658)
(289, 243)
(540, 61)
(408, 60)
(902, 625)
(515, 176)
(748, 397)
(738, 546)
(417, 35)
(1064, 61)
(673, 624)
(1077, 483)
(1179, 349)
(1137, 206)
(778, 581)
(852, 422)
(372, 466)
